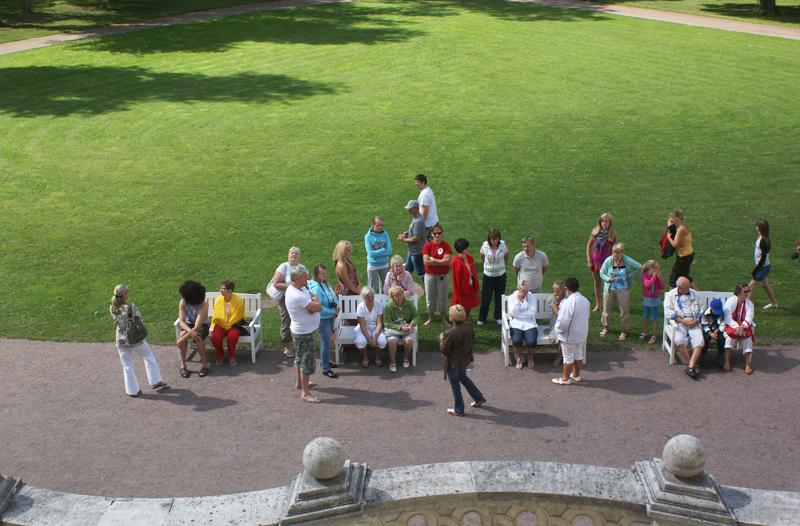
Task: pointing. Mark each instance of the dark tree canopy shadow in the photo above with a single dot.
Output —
(788, 13)
(88, 90)
(336, 24)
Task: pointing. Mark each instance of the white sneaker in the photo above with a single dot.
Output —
(574, 378)
(771, 306)
(481, 323)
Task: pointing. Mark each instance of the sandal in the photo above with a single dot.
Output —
(603, 333)
(622, 336)
(727, 365)
(378, 363)
(289, 353)
(519, 363)
(203, 372)
(159, 385)
(643, 336)
(364, 363)
(530, 363)
(185, 372)
(652, 340)
(748, 370)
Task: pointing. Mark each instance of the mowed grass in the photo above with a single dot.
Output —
(205, 151)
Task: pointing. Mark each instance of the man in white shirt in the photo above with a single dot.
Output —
(304, 308)
(531, 264)
(572, 329)
(682, 305)
(427, 204)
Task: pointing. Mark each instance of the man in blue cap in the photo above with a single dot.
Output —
(713, 320)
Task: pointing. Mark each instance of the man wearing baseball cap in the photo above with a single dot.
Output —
(713, 320)
(415, 238)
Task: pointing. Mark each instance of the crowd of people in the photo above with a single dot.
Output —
(309, 304)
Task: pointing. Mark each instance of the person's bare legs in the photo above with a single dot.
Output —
(408, 346)
(302, 382)
(365, 354)
(444, 319)
(685, 353)
(392, 351)
(598, 291)
(568, 367)
(557, 361)
(430, 318)
(577, 364)
(765, 285)
(530, 357)
(183, 347)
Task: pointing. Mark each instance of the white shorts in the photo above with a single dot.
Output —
(684, 335)
(747, 343)
(361, 340)
(572, 351)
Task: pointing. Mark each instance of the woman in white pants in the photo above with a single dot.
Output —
(120, 312)
(739, 325)
(369, 314)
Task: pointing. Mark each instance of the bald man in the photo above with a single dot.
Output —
(682, 305)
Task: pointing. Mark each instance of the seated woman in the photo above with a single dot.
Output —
(228, 311)
(401, 317)
(554, 303)
(739, 325)
(465, 278)
(194, 323)
(522, 311)
(370, 327)
(349, 282)
(398, 276)
(617, 272)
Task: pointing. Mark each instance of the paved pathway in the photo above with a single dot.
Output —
(649, 14)
(68, 425)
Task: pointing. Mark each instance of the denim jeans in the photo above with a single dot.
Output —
(530, 336)
(456, 378)
(325, 331)
(492, 286)
(415, 263)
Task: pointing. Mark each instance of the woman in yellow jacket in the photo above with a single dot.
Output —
(228, 311)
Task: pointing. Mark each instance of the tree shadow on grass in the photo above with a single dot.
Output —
(87, 90)
(789, 14)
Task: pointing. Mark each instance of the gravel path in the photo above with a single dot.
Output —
(635, 12)
(68, 425)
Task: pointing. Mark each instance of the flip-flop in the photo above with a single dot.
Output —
(159, 385)
(519, 363)
(203, 372)
(530, 363)
(378, 363)
(364, 363)
(314, 400)
(185, 372)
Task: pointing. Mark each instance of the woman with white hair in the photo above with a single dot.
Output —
(121, 311)
(369, 331)
(522, 311)
(398, 276)
(283, 280)
(738, 312)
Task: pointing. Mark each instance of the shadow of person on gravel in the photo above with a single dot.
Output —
(627, 385)
(519, 419)
(185, 397)
(398, 400)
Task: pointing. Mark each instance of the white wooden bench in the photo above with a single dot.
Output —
(542, 320)
(705, 297)
(346, 334)
(252, 310)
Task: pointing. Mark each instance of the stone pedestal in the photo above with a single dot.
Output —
(8, 487)
(673, 500)
(313, 499)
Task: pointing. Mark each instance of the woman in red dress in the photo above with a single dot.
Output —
(465, 278)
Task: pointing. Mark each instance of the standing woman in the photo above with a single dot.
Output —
(121, 312)
(465, 278)
(494, 257)
(456, 346)
(349, 282)
(618, 271)
(379, 248)
(684, 253)
(760, 273)
(320, 287)
(283, 280)
(601, 239)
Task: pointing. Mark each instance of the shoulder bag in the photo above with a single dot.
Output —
(135, 332)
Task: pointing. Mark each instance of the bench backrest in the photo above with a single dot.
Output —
(349, 304)
(707, 295)
(252, 303)
(542, 309)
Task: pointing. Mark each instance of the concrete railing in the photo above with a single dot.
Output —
(334, 491)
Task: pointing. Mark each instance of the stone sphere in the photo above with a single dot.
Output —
(323, 457)
(684, 456)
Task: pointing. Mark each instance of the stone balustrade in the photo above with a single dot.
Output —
(334, 491)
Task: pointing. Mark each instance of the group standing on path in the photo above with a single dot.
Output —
(308, 306)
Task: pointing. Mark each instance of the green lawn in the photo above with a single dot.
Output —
(205, 151)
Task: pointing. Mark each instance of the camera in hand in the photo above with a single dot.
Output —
(795, 255)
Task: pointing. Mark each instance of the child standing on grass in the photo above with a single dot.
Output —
(652, 285)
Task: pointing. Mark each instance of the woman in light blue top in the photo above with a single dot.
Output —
(379, 248)
(327, 317)
(617, 273)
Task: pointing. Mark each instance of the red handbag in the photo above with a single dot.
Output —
(731, 332)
